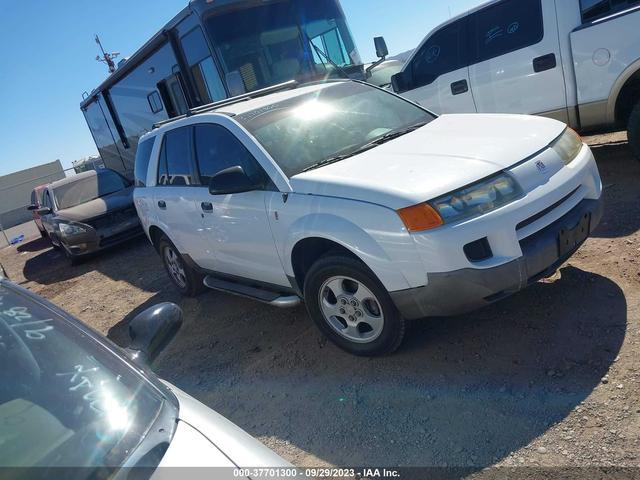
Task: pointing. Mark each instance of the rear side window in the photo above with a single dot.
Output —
(217, 148)
(143, 155)
(443, 52)
(592, 9)
(175, 167)
(505, 27)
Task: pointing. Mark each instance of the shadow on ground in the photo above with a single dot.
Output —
(620, 173)
(134, 262)
(461, 391)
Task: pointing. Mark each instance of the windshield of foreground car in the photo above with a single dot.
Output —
(332, 122)
(86, 189)
(65, 400)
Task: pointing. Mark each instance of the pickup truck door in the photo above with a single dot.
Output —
(437, 74)
(235, 226)
(515, 59)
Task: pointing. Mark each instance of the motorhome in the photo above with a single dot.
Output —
(214, 50)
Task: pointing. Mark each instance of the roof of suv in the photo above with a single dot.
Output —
(249, 104)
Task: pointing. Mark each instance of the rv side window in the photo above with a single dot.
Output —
(207, 80)
(154, 102)
(442, 53)
(592, 9)
(505, 27)
(175, 167)
(217, 148)
(143, 155)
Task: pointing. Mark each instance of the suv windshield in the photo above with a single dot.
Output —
(85, 189)
(65, 399)
(331, 123)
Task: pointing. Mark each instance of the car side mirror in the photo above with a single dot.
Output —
(231, 180)
(33, 207)
(153, 329)
(401, 81)
(42, 211)
(381, 47)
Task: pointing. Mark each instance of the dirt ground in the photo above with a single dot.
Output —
(550, 376)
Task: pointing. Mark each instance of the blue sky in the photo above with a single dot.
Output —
(47, 53)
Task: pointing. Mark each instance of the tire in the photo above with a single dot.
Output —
(184, 278)
(633, 131)
(370, 327)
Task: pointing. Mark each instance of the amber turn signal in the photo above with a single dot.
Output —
(420, 217)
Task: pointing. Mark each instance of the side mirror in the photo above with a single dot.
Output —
(401, 82)
(33, 207)
(43, 211)
(381, 47)
(231, 180)
(153, 329)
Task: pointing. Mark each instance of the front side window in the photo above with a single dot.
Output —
(217, 148)
(143, 156)
(334, 121)
(65, 399)
(505, 27)
(87, 188)
(443, 52)
(175, 167)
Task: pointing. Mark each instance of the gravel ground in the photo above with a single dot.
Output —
(549, 377)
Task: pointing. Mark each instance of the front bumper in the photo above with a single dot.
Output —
(461, 291)
(95, 240)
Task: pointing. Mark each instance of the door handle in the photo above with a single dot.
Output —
(459, 87)
(206, 207)
(545, 62)
(162, 204)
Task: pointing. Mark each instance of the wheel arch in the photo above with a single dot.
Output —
(624, 95)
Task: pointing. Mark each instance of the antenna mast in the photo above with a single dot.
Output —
(106, 57)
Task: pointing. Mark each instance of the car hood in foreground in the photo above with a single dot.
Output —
(446, 154)
(100, 206)
(205, 438)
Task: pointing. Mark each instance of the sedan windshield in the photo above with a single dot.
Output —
(330, 124)
(65, 399)
(88, 188)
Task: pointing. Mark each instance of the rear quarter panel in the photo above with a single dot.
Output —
(603, 54)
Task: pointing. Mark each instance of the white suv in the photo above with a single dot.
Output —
(367, 206)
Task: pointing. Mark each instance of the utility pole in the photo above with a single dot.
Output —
(106, 57)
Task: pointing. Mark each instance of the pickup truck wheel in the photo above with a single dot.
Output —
(185, 279)
(633, 131)
(351, 307)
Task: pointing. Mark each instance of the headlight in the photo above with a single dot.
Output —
(479, 198)
(567, 145)
(70, 229)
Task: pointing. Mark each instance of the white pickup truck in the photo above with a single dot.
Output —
(577, 61)
(365, 205)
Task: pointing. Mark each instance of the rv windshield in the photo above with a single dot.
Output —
(279, 41)
(330, 124)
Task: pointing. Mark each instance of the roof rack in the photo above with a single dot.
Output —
(230, 101)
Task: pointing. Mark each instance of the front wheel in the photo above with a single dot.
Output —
(633, 131)
(184, 278)
(351, 307)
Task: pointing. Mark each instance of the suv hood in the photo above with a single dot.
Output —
(446, 154)
(95, 208)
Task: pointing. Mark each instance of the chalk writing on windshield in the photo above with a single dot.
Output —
(21, 320)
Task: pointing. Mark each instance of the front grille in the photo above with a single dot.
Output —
(113, 218)
(547, 210)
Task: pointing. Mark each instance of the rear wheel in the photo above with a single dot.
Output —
(351, 307)
(184, 278)
(633, 131)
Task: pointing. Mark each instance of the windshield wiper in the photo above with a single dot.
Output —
(367, 146)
